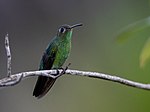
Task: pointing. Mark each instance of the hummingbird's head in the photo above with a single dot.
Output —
(66, 30)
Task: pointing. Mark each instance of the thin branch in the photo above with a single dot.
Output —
(16, 78)
(8, 53)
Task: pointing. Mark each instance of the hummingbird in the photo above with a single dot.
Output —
(54, 57)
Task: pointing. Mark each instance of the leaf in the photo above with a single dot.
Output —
(145, 54)
(138, 29)
(141, 27)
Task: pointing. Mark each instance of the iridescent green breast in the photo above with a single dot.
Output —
(62, 53)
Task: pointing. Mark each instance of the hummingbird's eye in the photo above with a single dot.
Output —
(62, 30)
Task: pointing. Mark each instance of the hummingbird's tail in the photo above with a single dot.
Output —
(42, 86)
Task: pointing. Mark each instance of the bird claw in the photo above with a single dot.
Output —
(64, 69)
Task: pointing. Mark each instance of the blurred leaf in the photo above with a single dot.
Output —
(138, 28)
(145, 54)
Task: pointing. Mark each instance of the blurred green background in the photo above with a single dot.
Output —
(31, 24)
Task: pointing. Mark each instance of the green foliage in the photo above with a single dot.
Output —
(145, 54)
(140, 28)
(134, 29)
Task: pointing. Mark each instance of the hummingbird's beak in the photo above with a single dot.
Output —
(76, 25)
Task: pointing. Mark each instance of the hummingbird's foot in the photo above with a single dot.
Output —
(64, 69)
(58, 73)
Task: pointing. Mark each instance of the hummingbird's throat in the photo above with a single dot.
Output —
(69, 35)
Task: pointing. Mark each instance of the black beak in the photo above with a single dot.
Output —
(76, 25)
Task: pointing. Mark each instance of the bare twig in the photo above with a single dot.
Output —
(16, 78)
(8, 53)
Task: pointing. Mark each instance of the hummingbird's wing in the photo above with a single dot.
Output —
(44, 84)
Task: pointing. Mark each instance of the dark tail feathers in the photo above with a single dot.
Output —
(42, 86)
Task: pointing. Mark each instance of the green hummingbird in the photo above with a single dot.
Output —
(54, 57)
